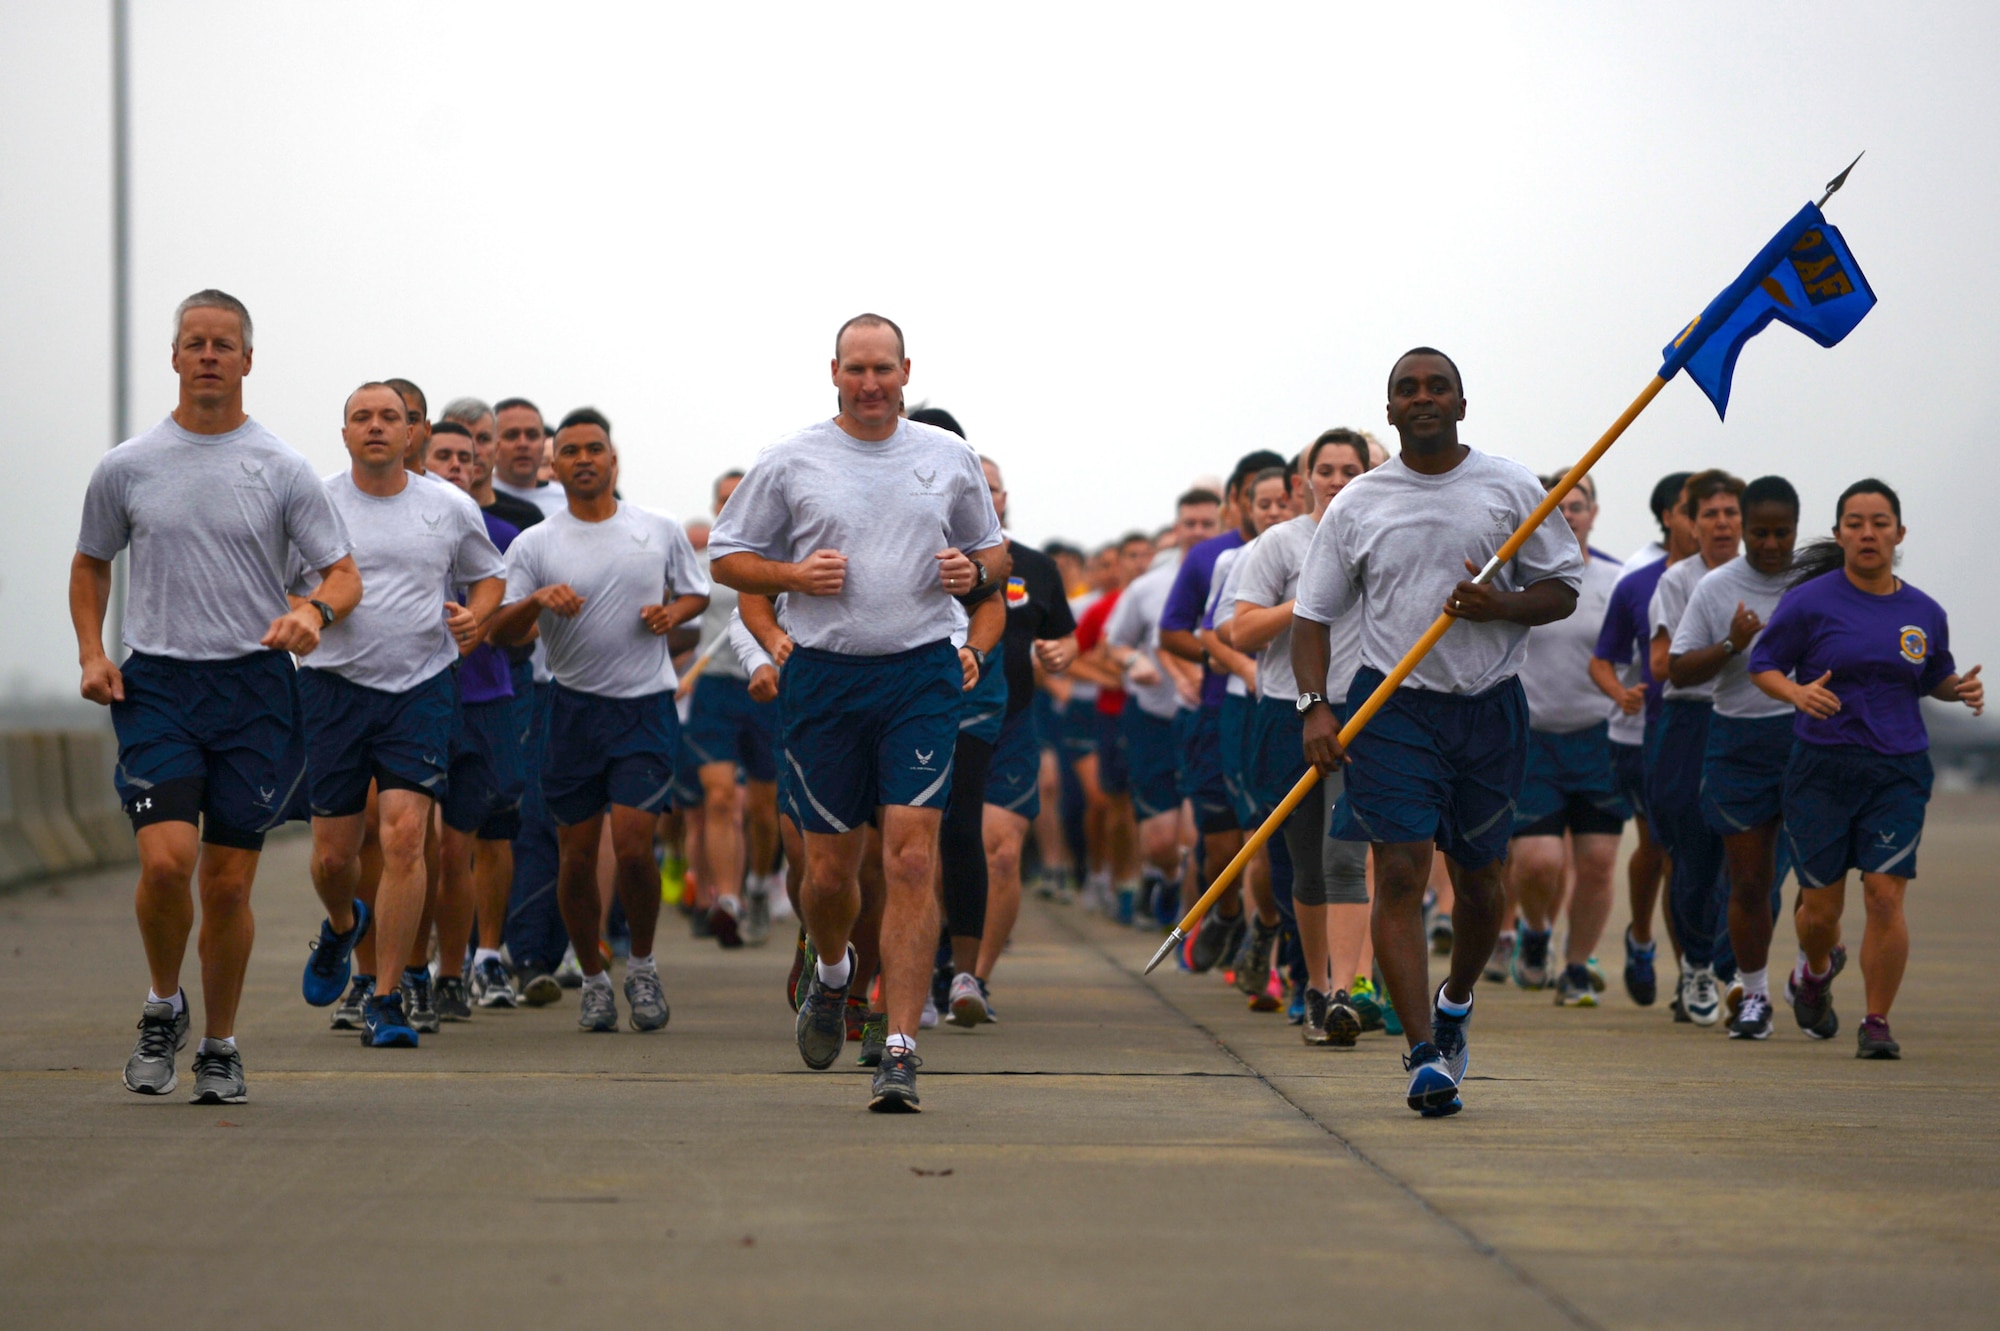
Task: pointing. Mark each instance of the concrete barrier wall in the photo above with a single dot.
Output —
(59, 811)
(88, 757)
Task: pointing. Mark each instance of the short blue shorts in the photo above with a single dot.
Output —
(725, 725)
(1847, 807)
(354, 735)
(1076, 729)
(1571, 785)
(605, 751)
(984, 707)
(1114, 770)
(1628, 765)
(866, 731)
(1149, 761)
(488, 774)
(1014, 774)
(1238, 722)
(1198, 769)
(1048, 719)
(215, 743)
(1277, 755)
(1437, 767)
(1743, 772)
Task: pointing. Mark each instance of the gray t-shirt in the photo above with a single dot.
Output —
(1394, 543)
(1706, 622)
(631, 559)
(212, 520)
(1669, 603)
(1556, 676)
(890, 507)
(550, 498)
(1221, 606)
(414, 549)
(1135, 623)
(1268, 575)
(726, 663)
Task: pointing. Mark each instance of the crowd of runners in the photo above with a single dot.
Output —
(526, 718)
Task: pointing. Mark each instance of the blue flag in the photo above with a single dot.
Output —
(1805, 277)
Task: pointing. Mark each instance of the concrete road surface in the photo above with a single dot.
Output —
(1117, 1152)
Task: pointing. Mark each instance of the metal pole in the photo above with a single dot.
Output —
(121, 273)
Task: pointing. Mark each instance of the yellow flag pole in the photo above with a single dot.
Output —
(1366, 712)
(695, 667)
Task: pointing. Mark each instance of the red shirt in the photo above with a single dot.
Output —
(1089, 632)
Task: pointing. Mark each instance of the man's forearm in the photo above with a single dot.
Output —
(340, 586)
(1310, 654)
(998, 561)
(484, 598)
(989, 625)
(89, 596)
(512, 625)
(1688, 669)
(1181, 643)
(1258, 625)
(1543, 603)
(754, 574)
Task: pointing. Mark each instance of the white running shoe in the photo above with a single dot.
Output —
(967, 1004)
(1704, 998)
(930, 1017)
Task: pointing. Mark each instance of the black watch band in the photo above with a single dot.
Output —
(326, 615)
(979, 574)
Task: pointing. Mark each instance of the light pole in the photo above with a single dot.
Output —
(121, 272)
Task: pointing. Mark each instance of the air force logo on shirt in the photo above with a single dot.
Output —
(1914, 644)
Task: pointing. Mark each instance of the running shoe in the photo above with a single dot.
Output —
(490, 985)
(723, 925)
(857, 1015)
(894, 1090)
(802, 957)
(1214, 939)
(1367, 1004)
(349, 1015)
(1128, 906)
(1313, 1030)
(450, 1001)
(163, 1033)
(218, 1077)
(1448, 1035)
(1812, 1005)
(1502, 959)
(822, 1023)
(569, 971)
(930, 1014)
(1295, 1004)
(645, 997)
(756, 917)
(874, 1039)
(1167, 907)
(1873, 1039)
(1440, 933)
(1702, 997)
(329, 964)
(1343, 1023)
(417, 1001)
(1433, 1090)
(1392, 1025)
(1836, 963)
(383, 1025)
(986, 997)
(967, 1006)
(539, 988)
(1753, 1018)
(599, 1008)
(1574, 989)
(1253, 963)
(1641, 982)
(1732, 998)
(1598, 983)
(1529, 965)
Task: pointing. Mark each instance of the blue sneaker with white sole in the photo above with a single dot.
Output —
(383, 1025)
(328, 967)
(1433, 1090)
(1448, 1034)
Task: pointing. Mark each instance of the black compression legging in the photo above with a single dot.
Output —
(962, 839)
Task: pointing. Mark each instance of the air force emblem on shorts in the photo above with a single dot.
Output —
(1914, 644)
(924, 760)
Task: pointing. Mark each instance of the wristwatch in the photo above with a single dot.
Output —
(1307, 700)
(326, 615)
(979, 574)
(1730, 643)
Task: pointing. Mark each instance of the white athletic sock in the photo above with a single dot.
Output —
(641, 964)
(728, 901)
(485, 954)
(1451, 1009)
(601, 980)
(211, 1045)
(178, 1001)
(836, 975)
(898, 1040)
(1756, 982)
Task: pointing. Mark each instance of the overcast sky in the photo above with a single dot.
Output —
(1127, 244)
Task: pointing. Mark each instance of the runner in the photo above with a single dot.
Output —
(479, 480)
(1442, 762)
(380, 703)
(847, 518)
(482, 806)
(1622, 668)
(605, 581)
(521, 455)
(1697, 894)
(1853, 648)
(1750, 735)
(1571, 816)
(210, 755)
(1329, 877)
(1111, 886)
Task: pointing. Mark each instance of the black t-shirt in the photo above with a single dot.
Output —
(509, 508)
(1037, 607)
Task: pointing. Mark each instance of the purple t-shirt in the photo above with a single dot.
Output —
(486, 674)
(1885, 653)
(1624, 635)
(1188, 597)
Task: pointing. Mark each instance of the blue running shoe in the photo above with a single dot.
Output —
(1448, 1034)
(1641, 981)
(1433, 1090)
(383, 1025)
(1167, 906)
(328, 967)
(1127, 905)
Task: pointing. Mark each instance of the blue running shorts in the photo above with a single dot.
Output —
(1114, 770)
(488, 774)
(1239, 714)
(1847, 807)
(1198, 771)
(354, 735)
(604, 751)
(1743, 772)
(866, 731)
(214, 743)
(1149, 761)
(1571, 785)
(1439, 767)
(1014, 774)
(985, 706)
(1277, 755)
(725, 725)
(1628, 766)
